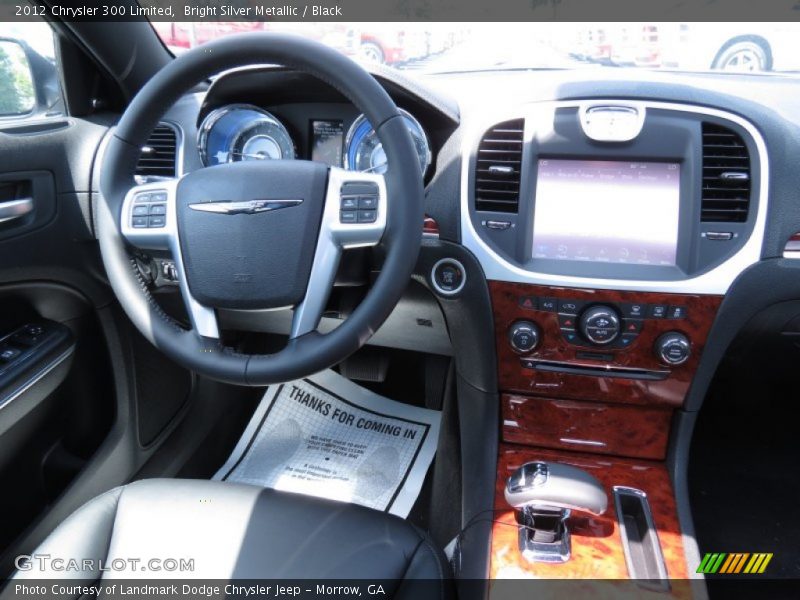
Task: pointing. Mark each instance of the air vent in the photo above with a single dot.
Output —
(726, 175)
(158, 155)
(497, 170)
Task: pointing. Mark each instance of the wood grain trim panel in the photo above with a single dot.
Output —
(669, 392)
(596, 544)
(593, 427)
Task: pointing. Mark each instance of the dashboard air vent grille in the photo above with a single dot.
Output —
(497, 169)
(158, 155)
(726, 175)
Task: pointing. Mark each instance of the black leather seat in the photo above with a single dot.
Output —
(234, 531)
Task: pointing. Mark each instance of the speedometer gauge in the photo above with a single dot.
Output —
(365, 151)
(243, 132)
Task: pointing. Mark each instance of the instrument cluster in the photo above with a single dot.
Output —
(237, 132)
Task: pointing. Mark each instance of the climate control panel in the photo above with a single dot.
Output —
(599, 345)
(612, 325)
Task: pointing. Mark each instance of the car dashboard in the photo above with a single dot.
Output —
(595, 235)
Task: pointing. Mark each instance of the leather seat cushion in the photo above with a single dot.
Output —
(235, 531)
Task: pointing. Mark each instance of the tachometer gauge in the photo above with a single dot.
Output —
(243, 132)
(365, 151)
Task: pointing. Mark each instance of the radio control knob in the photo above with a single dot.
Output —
(599, 325)
(673, 348)
(524, 336)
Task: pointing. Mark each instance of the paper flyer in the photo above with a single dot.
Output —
(326, 436)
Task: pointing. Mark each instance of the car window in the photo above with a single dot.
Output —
(448, 47)
(30, 86)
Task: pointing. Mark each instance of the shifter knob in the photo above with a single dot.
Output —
(555, 486)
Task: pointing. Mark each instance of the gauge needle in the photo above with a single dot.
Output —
(373, 168)
(259, 156)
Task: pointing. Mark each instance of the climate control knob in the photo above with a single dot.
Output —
(524, 336)
(673, 348)
(599, 325)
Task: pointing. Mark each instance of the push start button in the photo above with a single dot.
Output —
(448, 276)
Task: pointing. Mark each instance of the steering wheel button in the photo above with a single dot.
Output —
(139, 222)
(368, 202)
(157, 221)
(141, 198)
(156, 209)
(358, 187)
(158, 197)
(348, 216)
(367, 216)
(140, 210)
(349, 203)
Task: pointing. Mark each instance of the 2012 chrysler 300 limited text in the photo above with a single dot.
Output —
(397, 310)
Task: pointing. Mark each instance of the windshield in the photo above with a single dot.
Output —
(453, 47)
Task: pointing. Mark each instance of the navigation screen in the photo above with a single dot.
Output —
(326, 142)
(607, 211)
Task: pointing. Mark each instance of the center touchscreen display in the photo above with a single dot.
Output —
(607, 211)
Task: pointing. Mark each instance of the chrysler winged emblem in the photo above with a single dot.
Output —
(248, 207)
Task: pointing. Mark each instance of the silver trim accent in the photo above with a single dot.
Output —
(348, 138)
(576, 441)
(249, 207)
(335, 236)
(734, 176)
(715, 281)
(618, 491)
(15, 209)
(558, 551)
(37, 377)
(203, 318)
(459, 266)
(603, 128)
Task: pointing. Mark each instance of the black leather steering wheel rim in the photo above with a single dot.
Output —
(309, 353)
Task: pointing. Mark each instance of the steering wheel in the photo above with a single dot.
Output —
(259, 235)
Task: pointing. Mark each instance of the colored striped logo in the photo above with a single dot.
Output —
(742, 562)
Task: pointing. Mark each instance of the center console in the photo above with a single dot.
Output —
(596, 370)
(609, 232)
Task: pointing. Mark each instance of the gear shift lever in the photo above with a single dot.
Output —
(543, 494)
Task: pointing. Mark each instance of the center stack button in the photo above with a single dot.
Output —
(524, 336)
